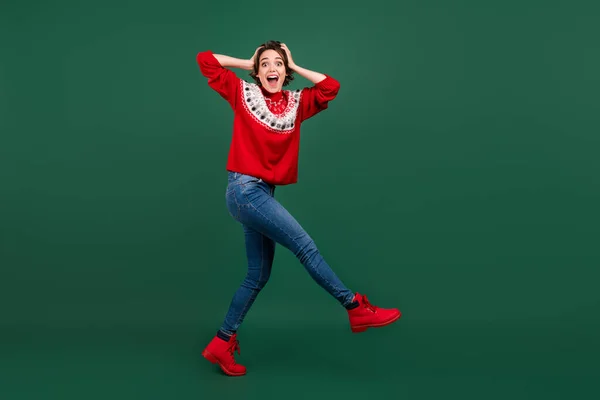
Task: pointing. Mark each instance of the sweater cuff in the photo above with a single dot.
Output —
(329, 83)
(208, 57)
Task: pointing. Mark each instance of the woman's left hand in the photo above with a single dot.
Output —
(289, 56)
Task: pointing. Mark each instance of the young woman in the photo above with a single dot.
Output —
(264, 154)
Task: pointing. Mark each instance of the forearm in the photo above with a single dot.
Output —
(232, 62)
(314, 77)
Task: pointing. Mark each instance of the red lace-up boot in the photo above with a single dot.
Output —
(367, 315)
(221, 352)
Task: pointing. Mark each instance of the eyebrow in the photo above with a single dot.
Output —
(266, 58)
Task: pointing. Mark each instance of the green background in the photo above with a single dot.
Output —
(454, 177)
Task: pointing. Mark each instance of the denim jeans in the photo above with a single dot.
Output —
(266, 222)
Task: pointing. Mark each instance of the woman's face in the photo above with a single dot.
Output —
(271, 71)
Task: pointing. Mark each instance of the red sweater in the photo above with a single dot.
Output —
(266, 126)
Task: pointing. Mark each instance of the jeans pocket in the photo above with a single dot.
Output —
(241, 191)
(251, 192)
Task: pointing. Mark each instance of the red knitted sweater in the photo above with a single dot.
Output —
(266, 126)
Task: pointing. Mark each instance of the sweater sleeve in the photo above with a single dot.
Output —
(316, 98)
(222, 80)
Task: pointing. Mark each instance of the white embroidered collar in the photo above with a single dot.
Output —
(256, 105)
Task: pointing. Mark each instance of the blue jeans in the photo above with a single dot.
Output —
(251, 202)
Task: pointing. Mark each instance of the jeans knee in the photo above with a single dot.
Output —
(307, 251)
(254, 283)
(260, 284)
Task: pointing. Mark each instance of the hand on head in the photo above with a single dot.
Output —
(284, 48)
(288, 53)
(256, 52)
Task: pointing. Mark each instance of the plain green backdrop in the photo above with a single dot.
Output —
(454, 177)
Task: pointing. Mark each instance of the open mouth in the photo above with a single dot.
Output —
(272, 79)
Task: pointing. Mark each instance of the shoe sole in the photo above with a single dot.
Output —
(214, 360)
(362, 328)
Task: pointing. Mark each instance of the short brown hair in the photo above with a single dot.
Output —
(272, 45)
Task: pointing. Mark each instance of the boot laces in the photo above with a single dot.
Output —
(368, 305)
(234, 346)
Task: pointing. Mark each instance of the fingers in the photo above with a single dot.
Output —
(256, 52)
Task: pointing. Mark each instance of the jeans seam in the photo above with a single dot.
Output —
(294, 240)
(331, 285)
(237, 204)
(243, 190)
(252, 294)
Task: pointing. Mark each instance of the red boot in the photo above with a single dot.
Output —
(368, 316)
(221, 352)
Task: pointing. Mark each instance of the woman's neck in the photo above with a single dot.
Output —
(272, 96)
